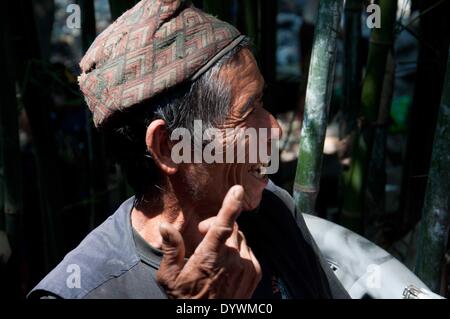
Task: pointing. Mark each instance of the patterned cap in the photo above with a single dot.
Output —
(153, 46)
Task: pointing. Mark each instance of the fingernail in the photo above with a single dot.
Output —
(238, 192)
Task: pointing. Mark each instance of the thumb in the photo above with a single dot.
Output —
(173, 249)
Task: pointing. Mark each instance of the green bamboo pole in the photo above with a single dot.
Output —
(355, 179)
(318, 96)
(352, 66)
(376, 180)
(435, 214)
(422, 118)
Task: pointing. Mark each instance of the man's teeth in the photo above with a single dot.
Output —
(257, 174)
(264, 167)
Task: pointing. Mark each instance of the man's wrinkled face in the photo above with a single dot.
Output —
(212, 181)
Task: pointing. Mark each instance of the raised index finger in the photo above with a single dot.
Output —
(222, 227)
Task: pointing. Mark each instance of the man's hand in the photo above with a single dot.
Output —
(222, 266)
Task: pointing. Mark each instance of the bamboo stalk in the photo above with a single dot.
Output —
(355, 179)
(318, 96)
(376, 179)
(435, 214)
(352, 66)
(433, 48)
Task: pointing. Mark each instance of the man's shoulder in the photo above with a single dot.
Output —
(105, 253)
(285, 199)
(281, 194)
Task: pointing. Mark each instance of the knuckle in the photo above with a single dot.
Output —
(161, 277)
(170, 251)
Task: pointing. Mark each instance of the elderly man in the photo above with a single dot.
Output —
(193, 229)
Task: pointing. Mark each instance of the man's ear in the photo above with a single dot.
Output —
(158, 144)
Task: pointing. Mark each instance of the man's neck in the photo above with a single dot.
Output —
(148, 215)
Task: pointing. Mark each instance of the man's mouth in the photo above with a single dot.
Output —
(259, 171)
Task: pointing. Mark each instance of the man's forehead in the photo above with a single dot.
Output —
(244, 73)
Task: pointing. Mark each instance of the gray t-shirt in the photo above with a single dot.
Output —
(114, 261)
